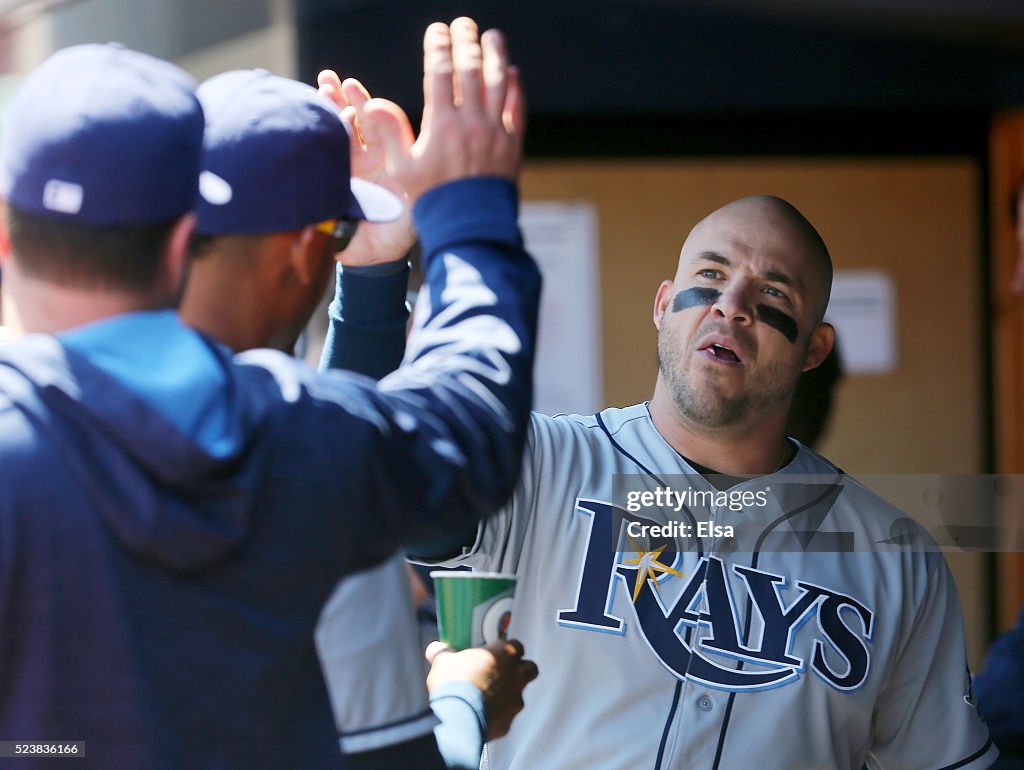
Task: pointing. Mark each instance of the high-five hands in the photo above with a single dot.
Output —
(473, 109)
(474, 119)
(374, 242)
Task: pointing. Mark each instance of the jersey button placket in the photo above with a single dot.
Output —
(704, 702)
(712, 521)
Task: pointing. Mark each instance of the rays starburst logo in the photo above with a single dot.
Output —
(649, 567)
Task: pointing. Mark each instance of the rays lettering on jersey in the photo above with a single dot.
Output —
(706, 608)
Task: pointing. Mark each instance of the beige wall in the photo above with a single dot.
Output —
(916, 219)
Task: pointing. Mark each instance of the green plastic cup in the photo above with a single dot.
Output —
(473, 608)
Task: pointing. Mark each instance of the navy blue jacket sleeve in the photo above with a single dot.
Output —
(366, 334)
(367, 319)
(438, 444)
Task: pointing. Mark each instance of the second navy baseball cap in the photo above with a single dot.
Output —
(103, 135)
(276, 159)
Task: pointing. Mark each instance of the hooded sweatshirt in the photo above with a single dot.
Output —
(172, 519)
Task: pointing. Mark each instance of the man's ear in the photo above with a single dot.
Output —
(306, 255)
(175, 258)
(822, 340)
(661, 300)
(5, 240)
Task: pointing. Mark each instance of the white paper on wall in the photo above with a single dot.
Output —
(562, 237)
(863, 310)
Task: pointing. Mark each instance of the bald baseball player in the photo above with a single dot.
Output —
(705, 592)
(174, 518)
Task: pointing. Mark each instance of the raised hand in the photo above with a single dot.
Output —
(473, 112)
(370, 135)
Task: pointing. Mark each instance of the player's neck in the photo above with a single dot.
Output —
(238, 293)
(33, 306)
(746, 449)
(228, 307)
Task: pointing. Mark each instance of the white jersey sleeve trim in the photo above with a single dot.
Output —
(981, 759)
(381, 736)
(375, 678)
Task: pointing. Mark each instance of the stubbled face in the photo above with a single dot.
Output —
(736, 323)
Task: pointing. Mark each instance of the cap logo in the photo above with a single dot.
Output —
(214, 189)
(65, 197)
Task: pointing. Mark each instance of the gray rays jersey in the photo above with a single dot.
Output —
(704, 629)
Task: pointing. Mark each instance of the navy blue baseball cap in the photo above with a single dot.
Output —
(103, 135)
(276, 159)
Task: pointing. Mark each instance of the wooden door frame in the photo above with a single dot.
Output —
(1006, 170)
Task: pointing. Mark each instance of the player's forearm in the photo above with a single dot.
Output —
(366, 334)
(463, 727)
(367, 319)
(456, 744)
(438, 444)
(469, 361)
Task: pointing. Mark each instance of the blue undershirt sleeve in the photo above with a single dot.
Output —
(367, 319)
